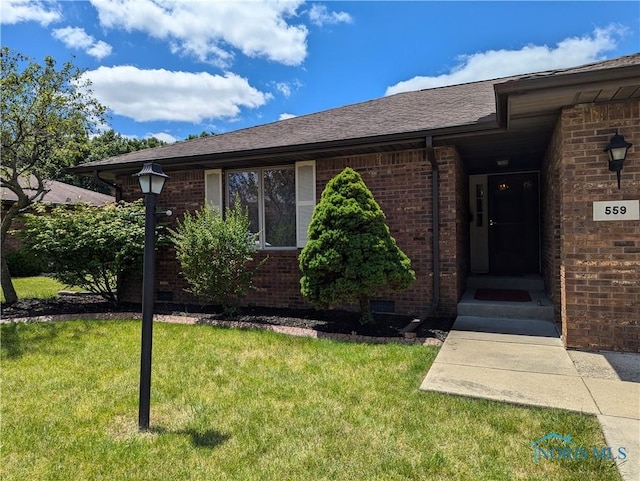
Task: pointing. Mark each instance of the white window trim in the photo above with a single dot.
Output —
(302, 224)
(213, 196)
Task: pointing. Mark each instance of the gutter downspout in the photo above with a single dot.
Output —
(435, 190)
(96, 175)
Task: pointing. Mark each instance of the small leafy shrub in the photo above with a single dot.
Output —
(88, 246)
(24, 263)
(215, 254)
(350, 255)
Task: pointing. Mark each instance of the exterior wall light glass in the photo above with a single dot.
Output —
(617, 149)
(151, 179)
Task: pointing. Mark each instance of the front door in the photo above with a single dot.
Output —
(514, 242)
(505, 237)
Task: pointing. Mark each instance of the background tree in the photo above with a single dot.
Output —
(88, 246)
(202, 134)
(47, 115)
(215, 254)
(107, 144)
(111, 143)
(350, 255)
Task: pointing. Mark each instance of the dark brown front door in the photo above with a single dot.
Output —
(514, 238)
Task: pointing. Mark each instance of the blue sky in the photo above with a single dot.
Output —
(171, 68)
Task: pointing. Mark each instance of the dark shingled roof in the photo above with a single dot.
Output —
(59, 193)
(404, 112)
(626, 61)
(456, 107)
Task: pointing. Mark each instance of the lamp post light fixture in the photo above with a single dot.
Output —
(151, 179)
(617, 149)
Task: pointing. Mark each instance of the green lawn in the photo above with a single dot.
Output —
(39, 287)
(250, 405)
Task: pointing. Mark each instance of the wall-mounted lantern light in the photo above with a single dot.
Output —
(151, 179)
(617, 149)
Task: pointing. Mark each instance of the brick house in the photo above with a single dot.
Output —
(511, 170)
(56, 193)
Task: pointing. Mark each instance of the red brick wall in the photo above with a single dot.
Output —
(551, 194)
(454, 228)
(599, 270)
(184, 191)
(401, 184)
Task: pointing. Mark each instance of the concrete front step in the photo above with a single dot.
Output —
(526, 283)
(528, 331)
(538, 308)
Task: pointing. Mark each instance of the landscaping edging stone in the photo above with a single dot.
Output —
(291, 331)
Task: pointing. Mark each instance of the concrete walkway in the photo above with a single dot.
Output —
(524, 362)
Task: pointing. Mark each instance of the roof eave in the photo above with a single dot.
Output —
(317, 148)
(570, 79)
(529, 84)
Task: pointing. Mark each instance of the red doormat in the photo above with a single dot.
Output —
(506, 295)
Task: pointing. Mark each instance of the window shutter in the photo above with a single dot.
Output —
(305, 199)
(213, 188)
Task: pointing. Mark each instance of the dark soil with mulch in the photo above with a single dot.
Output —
(336, 321)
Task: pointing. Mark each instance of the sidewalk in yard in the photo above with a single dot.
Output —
(525, 362)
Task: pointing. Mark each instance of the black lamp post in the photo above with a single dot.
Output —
(151, 179)
(617, 149)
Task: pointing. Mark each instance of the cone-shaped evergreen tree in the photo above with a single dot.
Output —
(350, 255)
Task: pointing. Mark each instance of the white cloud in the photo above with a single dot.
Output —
(16, 11)
(99, 50)
(286, 116)
(319, 15)
(165, 137)
(168, 138)
(76, 37)
(146, 95)
(284, 88)
(288, 88)
(531, 58)
(211, 30)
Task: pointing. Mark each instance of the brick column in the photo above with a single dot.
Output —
(599, 269)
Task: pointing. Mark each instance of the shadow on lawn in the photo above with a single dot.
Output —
(16, 338)
(200, 439)
(13, 340)
(10, 341)
(208, 439)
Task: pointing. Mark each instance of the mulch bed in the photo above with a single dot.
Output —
(335, 321)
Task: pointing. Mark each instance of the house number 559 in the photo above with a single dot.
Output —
(615, 210)
(612, 210)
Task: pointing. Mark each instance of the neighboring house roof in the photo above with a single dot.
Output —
(452, 112)
(58, 193)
